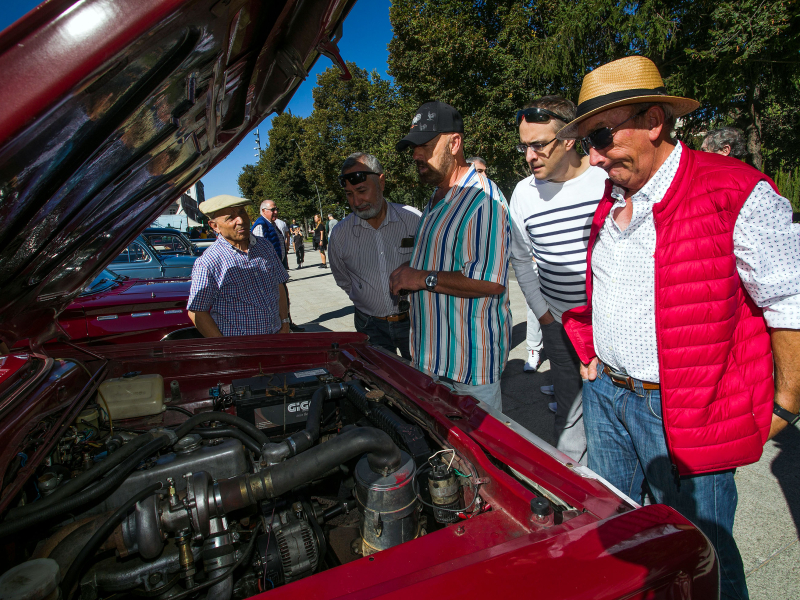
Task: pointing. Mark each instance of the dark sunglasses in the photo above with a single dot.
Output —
(537, 115)
(536, 146)
(354, 178)
(404, 305)
(604, 137)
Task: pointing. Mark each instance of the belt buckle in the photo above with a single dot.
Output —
(622, 381)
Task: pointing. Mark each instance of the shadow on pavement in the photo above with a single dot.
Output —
(784, 467)
(518, 334)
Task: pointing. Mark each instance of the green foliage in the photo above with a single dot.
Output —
(788, 183)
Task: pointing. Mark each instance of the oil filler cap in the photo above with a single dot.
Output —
(32, 580)
(541, 507)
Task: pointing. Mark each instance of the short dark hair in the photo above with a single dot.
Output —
(717, 139)
(555, 104)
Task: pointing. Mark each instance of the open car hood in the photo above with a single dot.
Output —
(111, 108)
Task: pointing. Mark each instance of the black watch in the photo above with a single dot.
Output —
(784, 414)
(431, 281)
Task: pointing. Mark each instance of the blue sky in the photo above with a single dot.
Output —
(366, 34)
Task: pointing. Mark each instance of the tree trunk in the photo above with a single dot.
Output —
(753, 130)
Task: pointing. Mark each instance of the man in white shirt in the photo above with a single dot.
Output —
(689, 336)
(552, 213)
(364, 249)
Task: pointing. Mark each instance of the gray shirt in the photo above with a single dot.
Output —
(362, 258)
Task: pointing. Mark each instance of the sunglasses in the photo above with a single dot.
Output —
(536, 146)
(537, 115)
(604, 137)
(354, 178)
(404, 305)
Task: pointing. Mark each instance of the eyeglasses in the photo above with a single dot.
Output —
(538, 115)
(275, 209)
(354, 178)
(536, 146)
(403, 305)
(604, 137)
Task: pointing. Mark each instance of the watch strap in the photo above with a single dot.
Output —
(785, 414)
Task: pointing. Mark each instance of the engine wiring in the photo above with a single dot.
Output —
(475, 487)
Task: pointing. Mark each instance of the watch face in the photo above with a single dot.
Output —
(431, 280)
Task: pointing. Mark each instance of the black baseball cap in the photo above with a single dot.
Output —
(431, 119)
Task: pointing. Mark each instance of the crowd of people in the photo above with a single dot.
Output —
(662, 283)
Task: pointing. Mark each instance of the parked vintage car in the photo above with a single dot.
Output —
(285, 466)
(144, 259)
(170, 242)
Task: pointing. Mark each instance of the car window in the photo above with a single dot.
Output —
(167, 243)
(122, 258)
(137, 253)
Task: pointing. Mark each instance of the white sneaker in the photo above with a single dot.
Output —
(534, 361)
(547, 390)
(552, 406)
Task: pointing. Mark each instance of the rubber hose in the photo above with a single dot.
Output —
(223, 417)
(100, 536)
(81, 481)
(303, 440)
(103, 487)
(180, 409)
(229, 432)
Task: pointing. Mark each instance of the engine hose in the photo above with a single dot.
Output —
(229, 432)
(98, 490)
(383, 457)
(81, 481)
(100, 536)
(223, 417)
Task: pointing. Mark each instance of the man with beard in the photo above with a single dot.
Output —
(375, 239)
(237, 284)
(460, 317)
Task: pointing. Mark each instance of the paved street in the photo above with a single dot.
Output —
(768, 518)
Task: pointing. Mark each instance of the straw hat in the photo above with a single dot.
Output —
(629, 80)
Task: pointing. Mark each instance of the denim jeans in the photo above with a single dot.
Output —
(627, 446)
(567, 383)
(392, 336)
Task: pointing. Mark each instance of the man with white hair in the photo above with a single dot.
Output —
(364, 249)
(689, 337)
(238, 283)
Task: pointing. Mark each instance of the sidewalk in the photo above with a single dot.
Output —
(768, 517)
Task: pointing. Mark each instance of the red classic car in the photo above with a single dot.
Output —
(311, 466)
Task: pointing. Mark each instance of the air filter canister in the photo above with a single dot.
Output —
(388, 505)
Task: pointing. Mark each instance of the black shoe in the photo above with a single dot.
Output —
(296, 328)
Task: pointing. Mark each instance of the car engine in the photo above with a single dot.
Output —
(291, 474)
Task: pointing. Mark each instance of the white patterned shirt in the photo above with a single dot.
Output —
(767, 249)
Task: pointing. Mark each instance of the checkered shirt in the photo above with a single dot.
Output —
(239, 289)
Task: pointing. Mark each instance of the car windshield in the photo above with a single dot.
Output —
(104, 281)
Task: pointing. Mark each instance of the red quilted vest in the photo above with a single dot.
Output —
(715, 356)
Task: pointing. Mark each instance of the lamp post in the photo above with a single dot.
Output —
(319, 200)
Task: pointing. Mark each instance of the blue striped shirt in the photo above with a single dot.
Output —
(469, 230)
(239, 289)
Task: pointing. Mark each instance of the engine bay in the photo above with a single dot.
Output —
(165, 489)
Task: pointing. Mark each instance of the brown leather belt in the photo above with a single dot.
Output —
(394, 318)
(626, 382)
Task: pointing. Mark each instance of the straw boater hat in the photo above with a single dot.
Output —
(629, 80)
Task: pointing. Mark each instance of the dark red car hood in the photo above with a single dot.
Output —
(111, 108)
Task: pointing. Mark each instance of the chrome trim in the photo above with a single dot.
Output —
(106, 317)
(144, 314)
(554, 453)
(173, 311)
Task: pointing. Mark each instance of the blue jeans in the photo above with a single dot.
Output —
(627, 446)
(392, 336)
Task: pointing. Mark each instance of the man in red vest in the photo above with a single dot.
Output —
(693, 286)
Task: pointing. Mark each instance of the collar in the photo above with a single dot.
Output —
(253, 242)
(656, 188)
(454, 191)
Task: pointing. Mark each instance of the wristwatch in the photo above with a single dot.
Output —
(286, 320)
(785, 414)
(431, 281)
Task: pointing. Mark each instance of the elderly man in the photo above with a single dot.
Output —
(727, 141)
(375, 239)
(237, 284)
(460, 317)
(478, 163)
(552, 213)
(693, 291)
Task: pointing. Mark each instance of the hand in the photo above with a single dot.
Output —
(776, 426)
(406, 278)
(589, 371)
(285, 328)
(546, 318)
